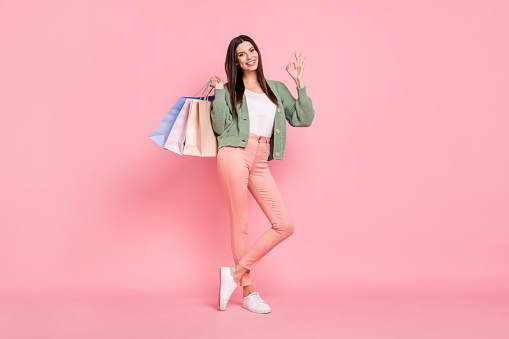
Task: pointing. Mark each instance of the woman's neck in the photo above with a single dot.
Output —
(250, 77)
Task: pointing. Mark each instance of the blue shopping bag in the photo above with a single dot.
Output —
(160, 134)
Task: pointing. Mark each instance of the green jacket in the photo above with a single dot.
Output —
(235, 132)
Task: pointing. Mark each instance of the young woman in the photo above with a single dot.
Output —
(249, 117)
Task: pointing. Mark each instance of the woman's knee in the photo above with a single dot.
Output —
(290, 228)
(285, 227)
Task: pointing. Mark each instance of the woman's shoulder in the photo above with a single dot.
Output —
(276, 83)
(269, 81)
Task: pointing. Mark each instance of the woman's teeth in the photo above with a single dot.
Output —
(251, 63)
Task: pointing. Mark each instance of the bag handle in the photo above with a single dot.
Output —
(208, 91)
(204, 90)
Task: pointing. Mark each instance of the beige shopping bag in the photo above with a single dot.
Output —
(200, 138)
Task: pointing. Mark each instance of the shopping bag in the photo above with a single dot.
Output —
(162, 131)
(200, 138)
(177, 136)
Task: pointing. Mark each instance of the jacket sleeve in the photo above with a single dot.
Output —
(299, 113)
(220, 113)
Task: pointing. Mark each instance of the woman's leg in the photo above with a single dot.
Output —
(233, 165)
(264, 189)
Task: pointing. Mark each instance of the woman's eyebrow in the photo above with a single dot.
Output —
(244, 51)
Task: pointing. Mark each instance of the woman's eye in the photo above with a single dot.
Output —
(241, 54)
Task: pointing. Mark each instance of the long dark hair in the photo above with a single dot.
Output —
(234, 73)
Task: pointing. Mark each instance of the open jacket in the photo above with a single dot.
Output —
(235, 131)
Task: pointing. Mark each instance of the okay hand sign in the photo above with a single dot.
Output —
(297, 72)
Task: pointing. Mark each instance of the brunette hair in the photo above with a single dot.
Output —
(234, 73)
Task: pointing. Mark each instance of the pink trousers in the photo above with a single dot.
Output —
(240, 169)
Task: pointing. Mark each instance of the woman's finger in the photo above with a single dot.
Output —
(294, 65)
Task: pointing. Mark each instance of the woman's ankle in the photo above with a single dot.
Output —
(239, 272)
(240, 268)
(248, 290)
(236, 277)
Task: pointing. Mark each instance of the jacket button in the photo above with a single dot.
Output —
(277, 154)
(244, 140)
(277, 131)
(279, 109)
(245, 118)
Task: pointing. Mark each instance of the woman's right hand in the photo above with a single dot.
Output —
(217, 82)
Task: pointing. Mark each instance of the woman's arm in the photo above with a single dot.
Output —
(220, 113)
(300, 112)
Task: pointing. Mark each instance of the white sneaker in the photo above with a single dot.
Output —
(226, 286)
(255, 303)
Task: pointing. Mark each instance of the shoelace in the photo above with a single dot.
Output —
(258, 299)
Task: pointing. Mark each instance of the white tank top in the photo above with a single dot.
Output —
(261, 113)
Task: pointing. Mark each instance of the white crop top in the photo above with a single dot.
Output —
(262, 112)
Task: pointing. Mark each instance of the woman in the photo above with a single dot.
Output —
(249, 117)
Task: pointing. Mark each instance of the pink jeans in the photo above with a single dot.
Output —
(240, 169)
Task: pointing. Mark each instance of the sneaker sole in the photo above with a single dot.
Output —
(222, 306)
(254, 311)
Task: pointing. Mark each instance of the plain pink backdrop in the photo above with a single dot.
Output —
(401, 183)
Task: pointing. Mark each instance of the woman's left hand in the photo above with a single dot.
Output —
(297, 72)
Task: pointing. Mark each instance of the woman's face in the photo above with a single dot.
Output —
(247, 56)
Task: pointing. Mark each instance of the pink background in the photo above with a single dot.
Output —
(400, 185)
